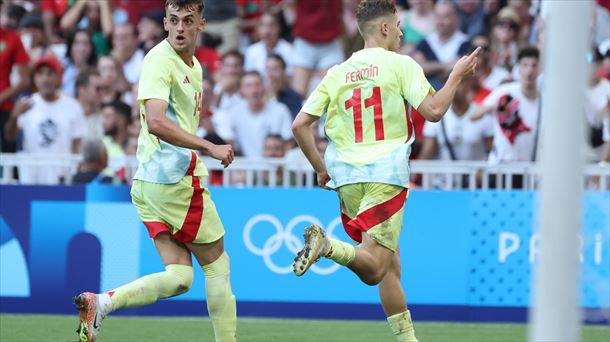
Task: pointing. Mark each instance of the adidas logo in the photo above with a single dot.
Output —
(186, 80)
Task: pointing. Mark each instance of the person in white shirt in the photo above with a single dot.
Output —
(226, 90)
(515, 109)
(52, 123)
(456, 137)
(270, 42)
(252, 120)
(125, 49)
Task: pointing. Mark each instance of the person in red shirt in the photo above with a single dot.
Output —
(12, 54)
(317, 44)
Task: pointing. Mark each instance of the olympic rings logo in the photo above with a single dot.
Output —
(285, 237)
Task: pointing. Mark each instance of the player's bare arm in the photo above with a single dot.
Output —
(303, 134)
(435, 106)
(168, 131)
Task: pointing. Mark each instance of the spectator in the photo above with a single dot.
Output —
(222, 20)
(317, 44)
(14, 14)
(51, 10)
(32, 33)
(472, 17)
(440, 50)
(151, 31)
(52, 122)
(526, 30)
(515, 108)
(279, 88)
(125, 50)
(116, 117)
(489, 74)
(113, 85)
(351, 39)
(88, 96)
(456, 137)
(94, 16)
(274, 147)
(11, 55)
(596, 106)
(418, 22)
(226, 91)
(270, 42)
(250, 13)
(95, 160)
(606, 137)
(80, 57)
(207, 55)
(504, 38)
(255, 118)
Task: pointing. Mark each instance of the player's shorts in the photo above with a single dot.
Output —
(184, 209)
(374, 208)
(317, 56)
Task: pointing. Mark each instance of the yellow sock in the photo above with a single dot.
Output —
(176, 279)
(220, 299)
(402, 327)
(341, 252)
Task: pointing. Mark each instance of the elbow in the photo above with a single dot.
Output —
(435, 115)
(154, 126)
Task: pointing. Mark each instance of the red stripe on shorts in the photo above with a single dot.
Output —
(192, 221)
(373, 216)
(156, 228)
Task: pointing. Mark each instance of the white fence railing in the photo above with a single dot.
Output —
(247, 172)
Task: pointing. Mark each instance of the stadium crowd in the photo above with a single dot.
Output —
(69, 71)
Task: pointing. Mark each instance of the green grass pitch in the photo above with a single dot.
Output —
(117, 328)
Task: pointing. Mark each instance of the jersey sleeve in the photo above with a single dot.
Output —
(414, 85)
(317, 103)
(155, 79)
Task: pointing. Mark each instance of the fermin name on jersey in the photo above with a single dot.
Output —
(355, 76)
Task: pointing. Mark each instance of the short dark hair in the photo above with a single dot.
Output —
(278, 58)
(234, 53)
(253, 73)
(529, 51)
(121, 109)
(83, 78)
(196, 5)
(369, 10)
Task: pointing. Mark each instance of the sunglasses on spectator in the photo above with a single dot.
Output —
(508, 23)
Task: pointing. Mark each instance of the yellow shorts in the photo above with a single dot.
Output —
(184, 209)
(374, 208)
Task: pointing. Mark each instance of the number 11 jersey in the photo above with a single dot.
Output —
(368, 126)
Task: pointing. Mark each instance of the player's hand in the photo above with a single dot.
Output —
(224, 153)
(324, 178)
(466, 65)
(22, 105)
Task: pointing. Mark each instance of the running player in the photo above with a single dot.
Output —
(370, 135)
(167, 189)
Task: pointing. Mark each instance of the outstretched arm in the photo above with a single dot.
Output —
(303, 134)
(168, 131)
(433, 107)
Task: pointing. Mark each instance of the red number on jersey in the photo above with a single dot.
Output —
(374, 101)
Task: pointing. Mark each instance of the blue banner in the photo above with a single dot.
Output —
(458, 249)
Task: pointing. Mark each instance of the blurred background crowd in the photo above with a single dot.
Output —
(69, 73)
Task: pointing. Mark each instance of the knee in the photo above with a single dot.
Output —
(182, 278)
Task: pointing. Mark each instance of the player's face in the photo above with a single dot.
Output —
(182, 26)
(394, 34)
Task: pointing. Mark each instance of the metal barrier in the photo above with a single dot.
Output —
(296, 172)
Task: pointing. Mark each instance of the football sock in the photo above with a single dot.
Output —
(220, 298)
(176, 279)
(341, 252)
(402, 327)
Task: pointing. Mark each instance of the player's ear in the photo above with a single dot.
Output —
(384, 28)
(201, 25)
(165, 23)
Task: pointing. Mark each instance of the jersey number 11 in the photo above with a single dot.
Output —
(374, 101)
